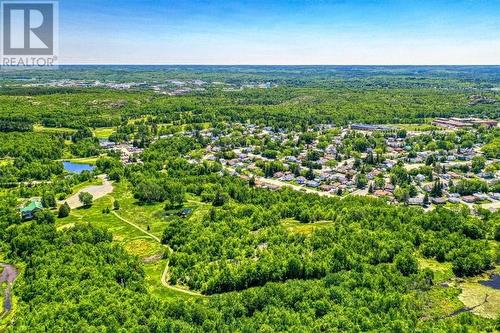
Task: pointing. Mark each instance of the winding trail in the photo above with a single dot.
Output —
(138, 228)
(9, 275)
(165, 276)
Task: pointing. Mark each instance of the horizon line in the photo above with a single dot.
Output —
(223, 64)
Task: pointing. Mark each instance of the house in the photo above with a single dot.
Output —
(288, 177)
(381, 193)
(389, 187)
(480, 196)
(469, 198)
(185, 212)
(313, 183)
(417, 201)
(28, 212)
(327, 188)
(278, 174)
(420, 177)
(438, 201)
(301, 180)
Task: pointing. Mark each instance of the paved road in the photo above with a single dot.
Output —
(279, 183)
(97, 191)
(9, 275)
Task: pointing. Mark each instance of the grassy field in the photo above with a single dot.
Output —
(103, 132)
(441, 301)
(135, 241)
(442, 271)
(82, 160)
(304, 228)
(474, 294)
(150, 216)
(52, 130)
(418, 127)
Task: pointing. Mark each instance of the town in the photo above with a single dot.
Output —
(443, 163)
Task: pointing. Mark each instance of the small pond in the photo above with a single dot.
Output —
(493, 282)
(77, 168)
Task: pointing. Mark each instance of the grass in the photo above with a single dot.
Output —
(150, 215)
(144, 215)
(154, 272)
(103, 132)
(133, 240)
(440, 302)
(82, 160)
(442, 271)
(53, 130)
(418, 127)
(6, 161)
(304, 228)
(3, 286)
(143, 247)
(474, 293)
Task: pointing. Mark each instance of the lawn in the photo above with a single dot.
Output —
(104, 132)
(144, 215)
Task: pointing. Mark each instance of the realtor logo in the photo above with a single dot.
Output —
(29, 30)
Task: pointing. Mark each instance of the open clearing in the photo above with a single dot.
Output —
(104, 132)
(133, 234)
(97, 191)
(304, 228)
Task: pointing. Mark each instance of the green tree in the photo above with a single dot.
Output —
(64, 210)
(48, 200)
(86, 199)
(406, 263)
(478, 163)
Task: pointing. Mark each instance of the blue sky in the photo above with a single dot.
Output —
(280, 32)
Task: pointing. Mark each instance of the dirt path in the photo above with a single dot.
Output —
(137, 227)
(97, 191)
(9, 275)
(165, 276)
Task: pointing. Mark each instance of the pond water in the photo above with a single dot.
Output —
(76, 167)
(493, 282)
